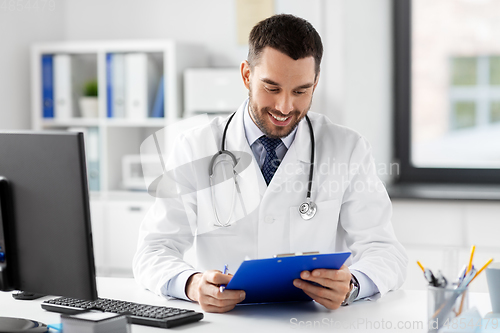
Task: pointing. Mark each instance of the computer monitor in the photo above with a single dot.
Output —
(45, 231)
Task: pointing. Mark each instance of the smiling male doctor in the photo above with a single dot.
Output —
(354, 211)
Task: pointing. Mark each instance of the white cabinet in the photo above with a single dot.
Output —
(123, 220)
(116, 219)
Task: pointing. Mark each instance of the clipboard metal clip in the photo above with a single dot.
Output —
(295, 254)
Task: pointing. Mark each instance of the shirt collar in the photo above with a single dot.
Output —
(253, 132)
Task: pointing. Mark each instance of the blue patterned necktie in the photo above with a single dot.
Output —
(271, 162)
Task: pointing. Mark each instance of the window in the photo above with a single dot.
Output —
(447, 90)
(474, 92)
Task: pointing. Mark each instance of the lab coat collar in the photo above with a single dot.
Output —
(302, 145)
(236, 140)
(298, 153)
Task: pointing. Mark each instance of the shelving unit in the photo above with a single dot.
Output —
(116, 133)
(112, 205)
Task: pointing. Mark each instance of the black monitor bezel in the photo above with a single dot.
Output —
(75, 143)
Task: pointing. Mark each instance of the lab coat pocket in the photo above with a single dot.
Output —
(318, 233)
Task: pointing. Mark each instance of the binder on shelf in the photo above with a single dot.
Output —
(93, 159)
(47, 86)
(118, 84)
(109, 85)
(142, 77)
(159, 105)
(63, 106)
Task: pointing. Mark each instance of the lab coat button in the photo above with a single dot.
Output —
(269, 219)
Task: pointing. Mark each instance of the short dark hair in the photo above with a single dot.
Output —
(288, 34)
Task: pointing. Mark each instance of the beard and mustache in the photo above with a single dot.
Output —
(260, 117)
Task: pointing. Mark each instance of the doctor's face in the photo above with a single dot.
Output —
(281, 91)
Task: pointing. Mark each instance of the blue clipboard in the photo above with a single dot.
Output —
(271, 280)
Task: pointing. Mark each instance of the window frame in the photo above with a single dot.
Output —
(408, 173)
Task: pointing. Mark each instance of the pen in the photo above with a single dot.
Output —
(428, 275)
(466, 281)
(468, 278)
(461, 274)
(223, 286)
(441, 280)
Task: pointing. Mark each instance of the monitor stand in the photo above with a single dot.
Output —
(26, 296)
(10, 325)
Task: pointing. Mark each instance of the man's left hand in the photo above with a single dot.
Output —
(335, 284)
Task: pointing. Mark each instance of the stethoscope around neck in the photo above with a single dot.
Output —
(307, 209)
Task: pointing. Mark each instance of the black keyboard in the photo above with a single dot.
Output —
(141, 314)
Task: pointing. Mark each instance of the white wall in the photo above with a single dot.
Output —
(368, 74)
(209, 23)
(20, 27)
(355, 34)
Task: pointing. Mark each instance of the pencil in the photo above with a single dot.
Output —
(482, 269)
(421, 267)
(472, 250)
(475, 275)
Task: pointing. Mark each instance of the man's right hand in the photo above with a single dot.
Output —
(204, 289)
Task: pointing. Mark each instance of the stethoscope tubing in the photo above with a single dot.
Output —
(311, 167)
(223, 151)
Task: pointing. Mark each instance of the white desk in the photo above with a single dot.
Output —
(400, 307)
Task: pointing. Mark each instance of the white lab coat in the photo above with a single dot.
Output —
(354, 210)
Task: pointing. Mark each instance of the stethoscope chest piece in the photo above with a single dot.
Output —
(307, 210)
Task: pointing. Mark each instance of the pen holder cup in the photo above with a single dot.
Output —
(444, 305)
